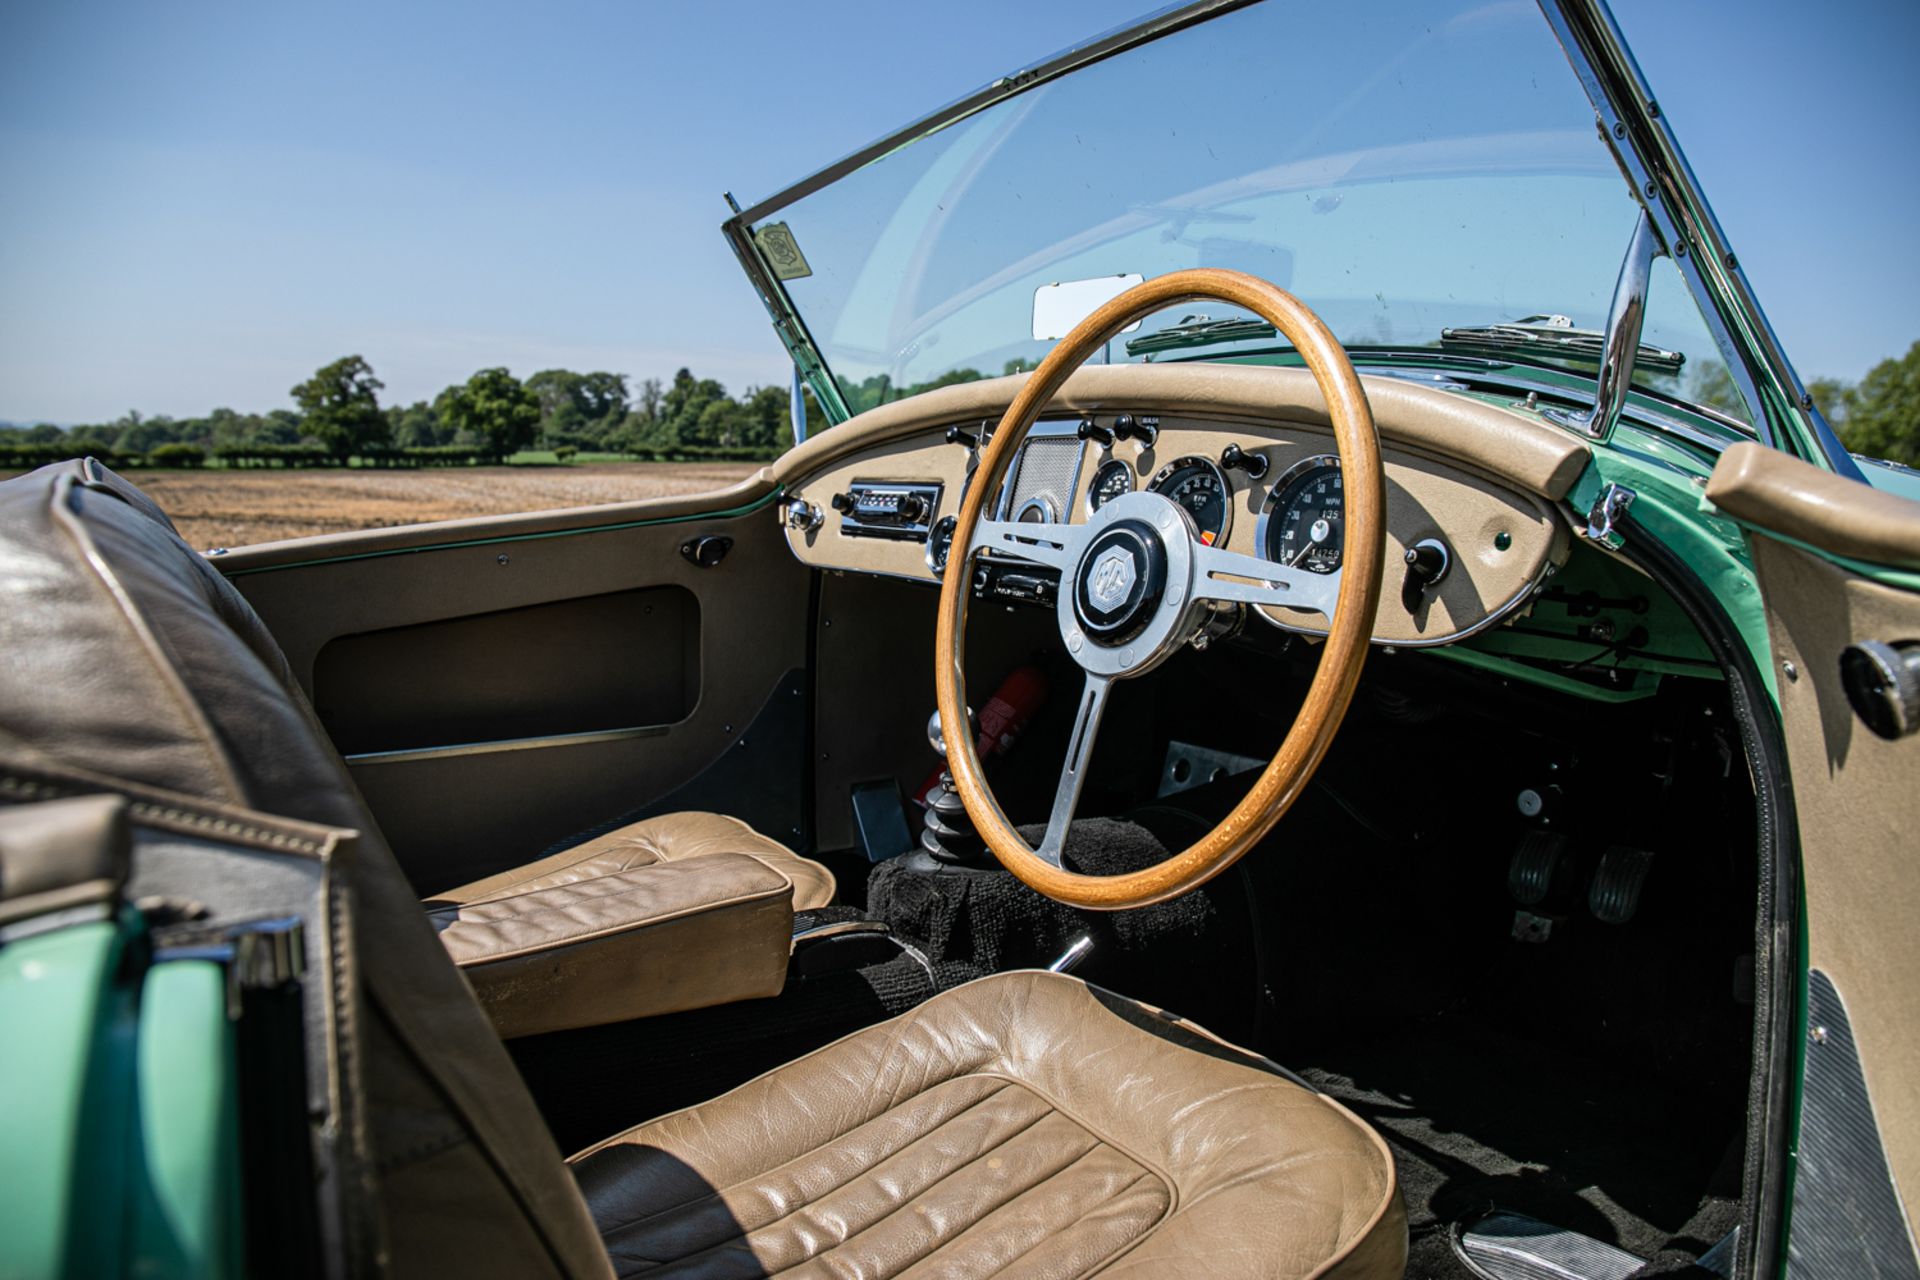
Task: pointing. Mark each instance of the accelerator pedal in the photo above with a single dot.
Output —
(1512, 1246)
(1615, 893)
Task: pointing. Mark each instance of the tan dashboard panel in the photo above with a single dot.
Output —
(926, 457)
(1520, 450)
(1502, 539)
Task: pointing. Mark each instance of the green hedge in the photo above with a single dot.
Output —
(273, 455)
(177, 455)
(21, 456)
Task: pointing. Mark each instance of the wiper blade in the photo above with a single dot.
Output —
(1199, 331)
(1552, 336)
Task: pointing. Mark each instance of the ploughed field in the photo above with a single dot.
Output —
(221, 508)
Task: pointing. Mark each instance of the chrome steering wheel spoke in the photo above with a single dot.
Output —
(1230, 576)
(1057, 546)
(1073, 774)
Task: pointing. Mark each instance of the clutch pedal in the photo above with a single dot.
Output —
(1530, 874)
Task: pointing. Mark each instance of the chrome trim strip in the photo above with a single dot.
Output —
(1649, 154)
(1492, 619)
(458, 749)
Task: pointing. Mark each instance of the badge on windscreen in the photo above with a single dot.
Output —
(781, 251)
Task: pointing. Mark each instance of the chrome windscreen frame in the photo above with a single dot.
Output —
(1643, 142)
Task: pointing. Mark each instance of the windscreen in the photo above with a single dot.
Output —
(1402, 167)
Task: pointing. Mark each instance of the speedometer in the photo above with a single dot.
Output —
(1301, 525)
(1197, 486)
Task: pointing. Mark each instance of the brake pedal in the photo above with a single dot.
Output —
(1530, 874)
(1617, 883)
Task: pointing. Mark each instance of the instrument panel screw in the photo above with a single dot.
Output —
(1793, 672)
(1818, 1035)
(501, 558)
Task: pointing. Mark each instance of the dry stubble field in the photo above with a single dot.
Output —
(221, 508)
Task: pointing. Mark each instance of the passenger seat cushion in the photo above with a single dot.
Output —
(651, 939)
(1024, 1124)
(673, 837)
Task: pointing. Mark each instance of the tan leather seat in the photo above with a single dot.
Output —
(677, 912)
(1022, 1125)
(674, 837)
(1025, 1124)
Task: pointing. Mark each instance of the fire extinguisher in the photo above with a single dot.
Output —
(1004, 717)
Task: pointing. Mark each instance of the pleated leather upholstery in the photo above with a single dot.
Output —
(1022, 1125)
(673, 837)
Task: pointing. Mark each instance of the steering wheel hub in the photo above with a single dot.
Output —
(1120, 581)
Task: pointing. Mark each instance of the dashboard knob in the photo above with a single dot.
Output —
(1427, 563)
(1234, 458)
(1128, 427)
(1091, 430)
(841, 502)
(956, 434)
(913, 508)
(1882, 681)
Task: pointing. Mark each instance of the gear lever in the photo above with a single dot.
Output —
(947, 833)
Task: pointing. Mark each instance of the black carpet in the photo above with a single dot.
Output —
(1479, 1120)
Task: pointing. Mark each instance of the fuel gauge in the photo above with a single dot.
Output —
(1113, 479)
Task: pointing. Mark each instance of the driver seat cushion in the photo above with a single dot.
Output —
(676, 912)
(1026, 1124)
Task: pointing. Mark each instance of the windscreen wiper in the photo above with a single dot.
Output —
(1552, 336)
(1200, 331)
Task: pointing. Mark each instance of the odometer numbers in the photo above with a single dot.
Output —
(1301, 526)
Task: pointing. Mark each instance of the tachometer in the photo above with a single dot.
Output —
(1198, 486)
(1300, 526)
(1109, 482)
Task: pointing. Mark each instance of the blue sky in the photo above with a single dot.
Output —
(205, 201)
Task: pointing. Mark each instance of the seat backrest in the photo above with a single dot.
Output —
(124, 653)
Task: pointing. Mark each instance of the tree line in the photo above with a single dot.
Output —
(493, 415)
(339, 420)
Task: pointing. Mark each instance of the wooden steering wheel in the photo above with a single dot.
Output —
(1137, 583)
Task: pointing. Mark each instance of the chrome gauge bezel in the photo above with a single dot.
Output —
(1093, 485)
(1192, 460)
(947, 523)
(1280, 486)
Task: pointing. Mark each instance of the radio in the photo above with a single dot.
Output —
(880, 509)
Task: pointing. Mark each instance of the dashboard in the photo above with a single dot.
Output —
(1246, 452)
